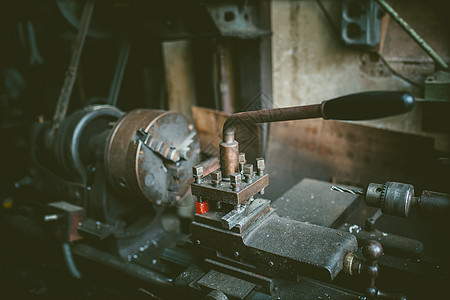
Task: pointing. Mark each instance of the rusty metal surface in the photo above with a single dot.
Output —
(134, 166)
(314, 202)
(272, 115)
(120, 142)
(229, 157)
(225, 192)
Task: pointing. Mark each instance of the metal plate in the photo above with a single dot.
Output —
(314, 202)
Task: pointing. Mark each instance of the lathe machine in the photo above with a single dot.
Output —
(126, 185)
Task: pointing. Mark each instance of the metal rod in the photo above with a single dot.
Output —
(269, 116)
(413, 34)
(120, 70)
(69, 81)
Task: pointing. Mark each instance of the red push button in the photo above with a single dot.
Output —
(201, 207)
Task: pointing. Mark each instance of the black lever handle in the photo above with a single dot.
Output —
(367, 105)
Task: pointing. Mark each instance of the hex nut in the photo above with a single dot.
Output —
(248, 173)
(235, 178)
(248, 169)
(216, 176)
(260, 164)
(197, 171)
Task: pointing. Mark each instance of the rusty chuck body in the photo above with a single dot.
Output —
(149, 154)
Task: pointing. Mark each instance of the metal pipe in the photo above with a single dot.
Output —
(359, 106)
(69, 81)
(269, 116)
(129, 268)
(413, 34)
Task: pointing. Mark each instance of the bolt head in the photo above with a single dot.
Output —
(248, 169)
(260, 164)
(216, 175)
(242, 157)
(197, 171)
(235, 178)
